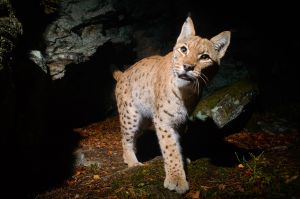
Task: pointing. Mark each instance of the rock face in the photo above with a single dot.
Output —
(82, 26)
(226, 104)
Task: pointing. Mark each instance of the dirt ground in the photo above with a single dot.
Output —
(267, 165)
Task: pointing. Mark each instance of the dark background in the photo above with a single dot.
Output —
(38, 138)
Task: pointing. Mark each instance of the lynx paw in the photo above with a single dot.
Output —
(134, 164)
(131, 160)
(179, 184)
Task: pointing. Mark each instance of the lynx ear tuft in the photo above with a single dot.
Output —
(187, 30)
(221, 43)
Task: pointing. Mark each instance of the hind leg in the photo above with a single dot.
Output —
(130, 122)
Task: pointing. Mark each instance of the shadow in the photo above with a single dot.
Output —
(38, 147)
(86, 93)
(147, 146)
(202, 139)
(39, 143)
(205, 139)
(33, 168)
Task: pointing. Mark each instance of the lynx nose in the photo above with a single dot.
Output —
(188, 67)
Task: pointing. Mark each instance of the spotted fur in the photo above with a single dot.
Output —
(165, 89)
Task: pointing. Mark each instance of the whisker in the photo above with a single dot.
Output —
(205, 82)
(196, 85)
(205, 77)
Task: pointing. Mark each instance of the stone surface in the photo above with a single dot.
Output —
(82, 26)
(224, 105)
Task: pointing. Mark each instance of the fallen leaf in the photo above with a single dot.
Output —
(205, 188)
(241, 166)
(194, 194)
(96, 177)
(221, 187)
(77, 173)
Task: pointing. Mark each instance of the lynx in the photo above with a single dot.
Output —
(165, 89)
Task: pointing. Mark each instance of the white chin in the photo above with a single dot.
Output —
(182, 82)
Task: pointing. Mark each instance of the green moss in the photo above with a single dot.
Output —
(199, 168)
(266, 175)
(236, 91)
(143, 182)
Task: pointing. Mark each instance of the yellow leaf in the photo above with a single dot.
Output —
(96, 177)
(77, 173)
(194, 194)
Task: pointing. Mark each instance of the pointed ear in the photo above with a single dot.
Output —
(187, 30)
(221, 42)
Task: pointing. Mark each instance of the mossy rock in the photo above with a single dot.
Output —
(225, 104)
(10, 30)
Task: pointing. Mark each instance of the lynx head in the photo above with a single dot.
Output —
(192, 53)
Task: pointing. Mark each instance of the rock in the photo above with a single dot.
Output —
(225, 104)
(10, 30)
(50, 6)
(229, 72)
(86, 157)
(82, 26)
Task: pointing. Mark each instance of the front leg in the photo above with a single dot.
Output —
(173, 161)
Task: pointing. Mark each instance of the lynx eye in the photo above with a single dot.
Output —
(204, 57)
(183, 49)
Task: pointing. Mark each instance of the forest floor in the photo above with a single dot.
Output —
(260, 160)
